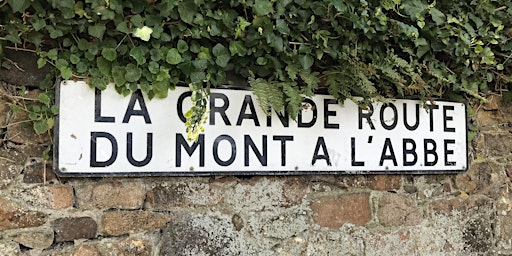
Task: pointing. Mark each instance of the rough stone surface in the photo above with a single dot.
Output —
(69, 229)
(481, 177)
(119, 223)
(107, 195)
(398, 210)
(62, 196)
(8, 172)
(334, 211)
(9, 248)
(132, 247)
(182, 194)
(12, 216)
(85, 250)
(28, 74)
(391, 243)
(21, 132)
(505, 235)
(385, 182)
(38, 239)
(203, 235)
(34, 171)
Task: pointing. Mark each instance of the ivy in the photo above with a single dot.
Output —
(353, 49)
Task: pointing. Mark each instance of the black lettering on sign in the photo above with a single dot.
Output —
(367, 116)
(409, 151)
(328, 113)
(353, 153)
(430, 151)
(283, 140)
(394, 118)
(417, 115)
(179, 105)
(129, 150)
(320, 143)
(262, 156)
(182, 142)
(216, 150)
(448, 152)
(97, 110)
(93, 151)
(391, 156)
(219, 109)
(130, 111)
(447, 118)
(312, 106)
(284, 118)
(431, 109)
(252, 115)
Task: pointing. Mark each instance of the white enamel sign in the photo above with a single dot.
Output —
(104, 133)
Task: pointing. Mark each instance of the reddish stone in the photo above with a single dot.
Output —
(119, 223)
(385, 182)
(448, 206)
(478, 178)
(398, 210)
(132, 247)
(69, 229)
(12, 216)
(85, 250)
(62, 196)
(117, 195)
(334, 211)
(294, 190)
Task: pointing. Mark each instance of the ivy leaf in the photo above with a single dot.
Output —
(437, 16)
(118, 75)
(109, 54)
(182, 46)
(74, 59)
(43, 98)
(19, 5)
(39, 24)
(237, 48)
(262, 7)
(83, 44)
(340, 5)
(173, 56)
(97, 30)
(306, 61)
(138, 54)
(133, 73)
(222, 55)
(41, 62)
(104, 66)
(40, 127)
(143, 33)
(66, 73)
(187, 11)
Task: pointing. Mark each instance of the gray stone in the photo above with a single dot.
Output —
(203, 235)
(40, 239)
(9, 248)
(25, 72)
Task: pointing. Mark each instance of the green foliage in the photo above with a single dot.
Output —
(286, 49)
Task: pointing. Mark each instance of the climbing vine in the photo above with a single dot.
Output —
(286, 50)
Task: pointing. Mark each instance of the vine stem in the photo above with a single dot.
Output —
(20, 49)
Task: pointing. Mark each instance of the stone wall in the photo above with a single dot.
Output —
(463, 214)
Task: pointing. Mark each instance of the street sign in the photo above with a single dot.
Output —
(102, 133)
